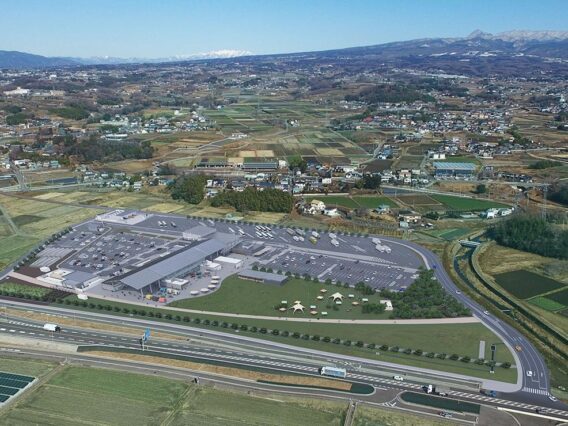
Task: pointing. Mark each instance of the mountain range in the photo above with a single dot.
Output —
(549, 45)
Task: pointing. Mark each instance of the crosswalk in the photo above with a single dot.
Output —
(537, 391)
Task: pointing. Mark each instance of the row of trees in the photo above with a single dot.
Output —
(274, 332)
(268, 200)
(94, 149)
(532, 234)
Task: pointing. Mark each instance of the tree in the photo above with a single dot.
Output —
(189, 188)
(297, 162)
(481, 188)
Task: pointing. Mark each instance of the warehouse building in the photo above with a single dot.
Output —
(450, 169)
(151, 276)
(263, 277)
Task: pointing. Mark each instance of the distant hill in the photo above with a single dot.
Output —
(21, 60)
(509, 53)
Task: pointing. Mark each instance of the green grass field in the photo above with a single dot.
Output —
(80, 395)
(525, 284)
(26, 367)
(372, 202)
(371, 416)
(559, 297)
(466, 204)
(335, 200)
(546, 303)
(93, 396)
(210, 407)
(462, 339)
(247, 297)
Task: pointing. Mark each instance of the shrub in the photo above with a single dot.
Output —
(384, 347)
(347, 342)
(305, 337)
(253, 329)
(117, 309)
(197, 321)
(326, 339)
(316, 338)
(188, 319)
(395, 349)
(159, 315)
(407, 351)
(454, 357)
(506, 365)
(234, 326)
(206, 322)
(465, 359)
(285, 333)
(244, 327)
(418, 352)
(359, 344)
(371, 346)
(430, 355)
(337, 341)
(263, 330)
(480, 361)
(168, 316)
(275, 332)
(226, 324)
(296, 335)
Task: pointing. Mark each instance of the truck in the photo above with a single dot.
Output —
(436, 389)
(333, 372)
(51, 327)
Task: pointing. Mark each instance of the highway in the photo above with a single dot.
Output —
(239, 351)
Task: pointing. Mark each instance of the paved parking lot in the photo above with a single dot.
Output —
(110, 249)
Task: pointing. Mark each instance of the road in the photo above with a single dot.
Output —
(231, 349)
(528, 359)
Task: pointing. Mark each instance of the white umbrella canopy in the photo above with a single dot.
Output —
(298, 307)
(336, 296)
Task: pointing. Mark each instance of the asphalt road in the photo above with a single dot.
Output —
(232, 350)
(528, 359)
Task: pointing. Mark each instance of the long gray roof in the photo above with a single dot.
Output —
(171, 265)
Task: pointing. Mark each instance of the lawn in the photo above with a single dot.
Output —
(213, 407)
(247, 297)
(525, 284)
(14, 246)
(88, 395)
(466, 204)
(10, 288)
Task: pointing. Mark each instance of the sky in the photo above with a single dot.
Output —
(163, 28)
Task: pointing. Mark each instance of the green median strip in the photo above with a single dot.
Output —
(441, 403)
(356, 388)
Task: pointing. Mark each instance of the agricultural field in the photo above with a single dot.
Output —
(449, 234)
(466, 204)
(147, 400)
(371, 416)
(211, 407)
(63, 400)
(247, 297)
(26, 367)
(525, 284)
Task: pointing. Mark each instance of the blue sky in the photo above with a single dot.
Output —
(159, 28)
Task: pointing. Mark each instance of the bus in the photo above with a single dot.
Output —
(333, 372)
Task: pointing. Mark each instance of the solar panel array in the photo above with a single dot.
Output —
(11, 384)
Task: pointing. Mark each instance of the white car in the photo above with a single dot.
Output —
(486, 312)
(398, 378)
(458, 292)
(552, 398)
(529, 373)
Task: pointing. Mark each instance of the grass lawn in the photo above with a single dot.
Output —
(94, 396)
(213, 407)
(466, 204)
(247, 297)
(14, 246)
(26, 367)
(525, 284)
(462, 339)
